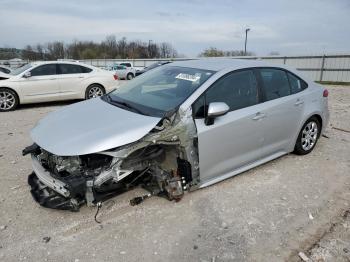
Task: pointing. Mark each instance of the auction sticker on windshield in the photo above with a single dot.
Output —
(188, 77)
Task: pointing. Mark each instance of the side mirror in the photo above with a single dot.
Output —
(27, 74)
(216, 109)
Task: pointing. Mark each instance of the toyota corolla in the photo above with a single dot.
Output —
(177, 128)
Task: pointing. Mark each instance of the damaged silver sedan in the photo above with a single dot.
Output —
(174, 129)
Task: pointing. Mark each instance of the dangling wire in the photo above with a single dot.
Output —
(99, 205)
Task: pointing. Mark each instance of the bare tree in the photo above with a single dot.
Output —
(122, 44)
(56, 50)
(166, 50)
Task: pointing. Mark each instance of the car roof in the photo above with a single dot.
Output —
(59, 62)
(218, 64)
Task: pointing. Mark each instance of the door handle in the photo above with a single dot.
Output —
(52, 78)
(259, 116)
(81, 77)
(298, 102)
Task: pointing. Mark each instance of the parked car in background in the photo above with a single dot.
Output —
(131, 66)
(5, 69)
(180, 127)
(53, 81)
(152, 66)
(124, 72)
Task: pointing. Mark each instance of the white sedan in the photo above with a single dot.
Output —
(124, 72)
(53, 81)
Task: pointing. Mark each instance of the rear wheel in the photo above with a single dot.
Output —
(8, 100)
(94, 91)
(308, 136)
(130, 76)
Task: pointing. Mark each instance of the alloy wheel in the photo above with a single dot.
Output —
(95, 91)
(309, 135)
(7, 100)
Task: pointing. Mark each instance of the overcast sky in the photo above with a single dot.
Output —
(286, 26)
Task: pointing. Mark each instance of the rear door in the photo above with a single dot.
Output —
(235, 139)
(282, 108)
(71, 80)
(42, 85)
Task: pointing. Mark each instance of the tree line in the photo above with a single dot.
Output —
(109, 48)
(214, 52)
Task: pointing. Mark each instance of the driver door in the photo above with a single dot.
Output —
(234, 139)
(42, 85)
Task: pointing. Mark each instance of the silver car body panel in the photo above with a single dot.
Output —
(88, 127)
(274, 135)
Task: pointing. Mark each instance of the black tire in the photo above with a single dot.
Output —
(8, 100)
(130, 76)
(94, 90)
(308, 137)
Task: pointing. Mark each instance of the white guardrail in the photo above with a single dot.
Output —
(328, 68)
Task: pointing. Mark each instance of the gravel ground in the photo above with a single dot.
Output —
(269, 213)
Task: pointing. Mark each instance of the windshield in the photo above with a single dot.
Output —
(21, 69)
(160, 90)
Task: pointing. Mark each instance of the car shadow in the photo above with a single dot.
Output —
(46, 104)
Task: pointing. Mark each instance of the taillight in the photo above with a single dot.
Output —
(115, 77)
(325, 93)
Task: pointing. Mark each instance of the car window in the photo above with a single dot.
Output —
(126, 64)
(5, 70)
(238, 90)
(162, 89)
(85, 69)
(296, 84)
(275, 83)
(121, 67)
(70, 69)
(21, 69)
(44, 70)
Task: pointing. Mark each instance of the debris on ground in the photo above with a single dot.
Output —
(303, 256)
(46, 239)
(341, 129)
(311, 216)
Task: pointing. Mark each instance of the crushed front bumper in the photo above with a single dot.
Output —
(46, 178)
(49, 198)
(48, 191)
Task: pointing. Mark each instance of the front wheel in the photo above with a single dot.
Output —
(8, 100)
(308, 136)
(94, 91)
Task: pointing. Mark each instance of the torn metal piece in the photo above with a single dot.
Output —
(138, 200)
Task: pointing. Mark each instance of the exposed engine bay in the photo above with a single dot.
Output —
(164, 162)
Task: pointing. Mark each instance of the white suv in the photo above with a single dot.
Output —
(53, 81)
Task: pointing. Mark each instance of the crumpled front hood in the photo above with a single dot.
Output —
(90, 126)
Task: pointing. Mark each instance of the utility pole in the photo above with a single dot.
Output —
(149, 48)
(246, 39)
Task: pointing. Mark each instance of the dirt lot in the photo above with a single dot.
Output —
(270, 213)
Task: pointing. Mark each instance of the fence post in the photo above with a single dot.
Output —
(322, 67)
